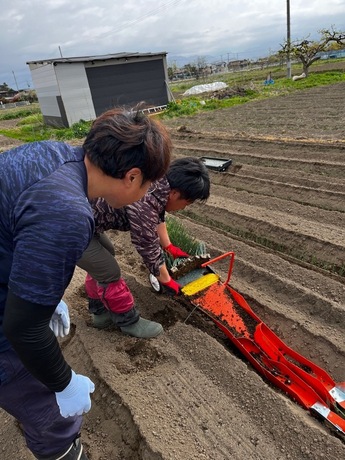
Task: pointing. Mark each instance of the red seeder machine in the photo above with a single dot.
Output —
(305, 382)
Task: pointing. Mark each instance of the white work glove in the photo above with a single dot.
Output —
(60, 322)
(75, 398)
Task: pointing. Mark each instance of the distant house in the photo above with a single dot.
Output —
(71, 89)
(238, 64)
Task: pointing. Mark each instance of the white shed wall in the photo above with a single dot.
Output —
(47, 89)
(75, 92)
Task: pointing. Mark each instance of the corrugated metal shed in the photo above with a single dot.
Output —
(75, 88)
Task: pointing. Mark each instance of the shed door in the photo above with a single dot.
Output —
(127, 84)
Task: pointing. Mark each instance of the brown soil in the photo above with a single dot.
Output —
(189, 394)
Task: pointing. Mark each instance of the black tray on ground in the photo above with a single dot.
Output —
(216, 164)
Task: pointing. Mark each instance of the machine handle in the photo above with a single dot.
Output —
(216, 259)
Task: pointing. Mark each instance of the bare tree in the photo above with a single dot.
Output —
(172, 71)
(191, 69)
(308, 51)
(332, 35)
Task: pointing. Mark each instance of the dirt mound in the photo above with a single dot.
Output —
(225, 93)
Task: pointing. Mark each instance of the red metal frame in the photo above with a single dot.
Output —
(300, 378)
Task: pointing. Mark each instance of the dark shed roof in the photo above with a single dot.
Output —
(104, 57)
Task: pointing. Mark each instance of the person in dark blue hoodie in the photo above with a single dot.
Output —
(46, 222)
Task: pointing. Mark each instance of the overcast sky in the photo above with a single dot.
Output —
(41, 29)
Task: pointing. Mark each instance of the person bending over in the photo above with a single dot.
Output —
(46, 223)
(110, 300)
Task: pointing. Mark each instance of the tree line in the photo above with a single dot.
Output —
(303, 50)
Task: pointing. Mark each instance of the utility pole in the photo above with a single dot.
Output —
(60, 51)
(15, 81)
(288, 40)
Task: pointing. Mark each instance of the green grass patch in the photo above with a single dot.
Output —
(31, 119)
(76, 131)
(19, 112)
(252, 83)
(29, 132)
(258, 76)
(192, 105)
(31, 128)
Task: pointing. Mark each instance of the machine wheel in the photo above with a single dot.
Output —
(155, 284)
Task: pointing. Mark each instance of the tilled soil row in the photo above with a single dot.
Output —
(282, 176)
(270, 199)
(325, 168)
(286, 148)
(322, 199)
(322, 245)
(295, 215)
(313, 114)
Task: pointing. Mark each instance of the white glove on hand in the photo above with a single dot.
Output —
(60, 322)
(75, 398)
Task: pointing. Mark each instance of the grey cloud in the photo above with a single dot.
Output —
(36, 29)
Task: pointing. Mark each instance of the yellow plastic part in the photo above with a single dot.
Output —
(200, 284)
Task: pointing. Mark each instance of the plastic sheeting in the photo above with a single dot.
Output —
(198, 89)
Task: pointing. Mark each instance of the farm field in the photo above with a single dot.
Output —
(189, 394)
